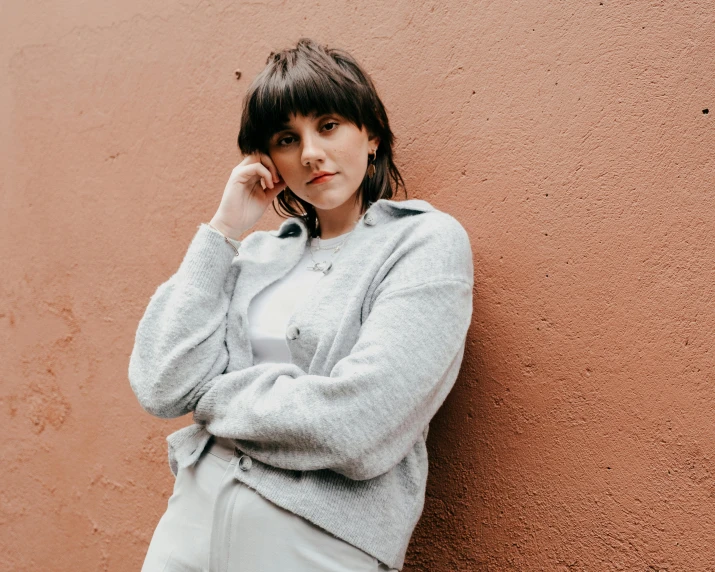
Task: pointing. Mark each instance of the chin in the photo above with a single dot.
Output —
(327, 202)
(329, 206)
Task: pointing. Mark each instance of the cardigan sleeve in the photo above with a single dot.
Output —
(362, 419)
(180, 340)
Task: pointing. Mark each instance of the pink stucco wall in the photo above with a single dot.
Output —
(569, 138)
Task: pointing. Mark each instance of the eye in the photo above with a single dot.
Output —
(282, 141)
(334, 124)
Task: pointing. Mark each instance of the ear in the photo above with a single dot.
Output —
(374, 142)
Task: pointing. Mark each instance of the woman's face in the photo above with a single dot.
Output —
(327, 143)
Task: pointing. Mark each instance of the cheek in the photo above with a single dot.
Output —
(354, 159)
(284, 167)
(359, 165)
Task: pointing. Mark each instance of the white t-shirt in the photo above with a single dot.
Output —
(270, 310)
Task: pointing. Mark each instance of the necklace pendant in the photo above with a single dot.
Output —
(317, 267)
(323, 267)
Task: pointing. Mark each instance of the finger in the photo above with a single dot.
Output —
(247, 160)
(260, 170)
(251, 158)
(268, 162)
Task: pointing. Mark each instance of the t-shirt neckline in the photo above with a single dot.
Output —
(327, 242)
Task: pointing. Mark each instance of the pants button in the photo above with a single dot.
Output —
(245, 462)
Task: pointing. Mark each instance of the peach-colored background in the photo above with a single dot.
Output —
(568, 137)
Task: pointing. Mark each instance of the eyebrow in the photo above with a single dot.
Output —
(278, 132)
(314, 116)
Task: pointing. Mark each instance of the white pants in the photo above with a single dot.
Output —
(214, 523)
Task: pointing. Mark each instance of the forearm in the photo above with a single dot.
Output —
(282, 426)
(180, 341)
(362, 418)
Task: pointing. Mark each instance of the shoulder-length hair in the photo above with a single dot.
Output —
(312, 79)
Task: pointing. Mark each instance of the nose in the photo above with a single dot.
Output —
(312, 151)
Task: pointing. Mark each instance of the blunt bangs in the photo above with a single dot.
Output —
(293, 84)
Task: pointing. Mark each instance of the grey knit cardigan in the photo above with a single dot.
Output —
(337, 436)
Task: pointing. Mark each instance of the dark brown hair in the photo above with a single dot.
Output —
(312, 79)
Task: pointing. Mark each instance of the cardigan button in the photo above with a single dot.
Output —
(370, 219)
(293, 333)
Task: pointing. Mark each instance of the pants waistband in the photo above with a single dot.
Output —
(222, 447)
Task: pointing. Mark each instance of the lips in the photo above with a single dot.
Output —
(321, 177)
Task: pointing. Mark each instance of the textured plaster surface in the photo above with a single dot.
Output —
(569, 138)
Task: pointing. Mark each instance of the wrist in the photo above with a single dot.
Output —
(233, 243)
(225, 230)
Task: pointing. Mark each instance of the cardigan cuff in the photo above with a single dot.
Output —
(207, 261)
(233, 242)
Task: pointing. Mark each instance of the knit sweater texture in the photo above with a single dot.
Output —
(337, 436)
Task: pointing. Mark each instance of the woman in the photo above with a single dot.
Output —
(312, 357)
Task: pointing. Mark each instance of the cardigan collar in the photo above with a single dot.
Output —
(379, 211)
(264, 261)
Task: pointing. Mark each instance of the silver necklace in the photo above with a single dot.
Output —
(314, 248)
(325, 266)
